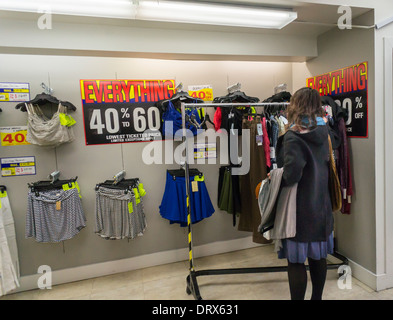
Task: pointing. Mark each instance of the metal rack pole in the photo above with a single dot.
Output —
(191, 280)
(192, 283)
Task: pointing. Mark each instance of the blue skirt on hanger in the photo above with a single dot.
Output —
(174, 202)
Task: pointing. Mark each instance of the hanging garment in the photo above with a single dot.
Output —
(283, 96)
(285, 217)
(54, 215)
(273, 144)
(281, 125)
(267, 199)
(344, 169)
(229, 191)
(250, 217)
(172, 121)
(9, 261)
(119, 212)
(217, 119)
(231, 119)
(45, 131)
(174, 201)
(266, 143)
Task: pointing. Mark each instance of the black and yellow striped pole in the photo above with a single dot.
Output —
(188, 191)
(192, 285)
(190, 255)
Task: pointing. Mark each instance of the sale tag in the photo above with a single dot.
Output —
(14, 91)
(204, 92)
(13, 136)
(17, 166)
(205, 151)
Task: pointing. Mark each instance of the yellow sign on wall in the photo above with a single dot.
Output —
(204, 92)
(13, 136)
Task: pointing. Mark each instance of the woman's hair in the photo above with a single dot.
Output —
(305, 104)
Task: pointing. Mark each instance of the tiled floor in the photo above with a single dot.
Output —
(168, 282)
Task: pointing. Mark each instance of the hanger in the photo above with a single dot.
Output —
(44, 185)
(178, 97)
(235, 95)
(282, 96)
(206, 119)
(124, 184)
(181, 173)
(44, 98)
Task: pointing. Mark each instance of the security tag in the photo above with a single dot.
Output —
(272, 153)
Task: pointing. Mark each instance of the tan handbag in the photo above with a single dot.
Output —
(334, 182)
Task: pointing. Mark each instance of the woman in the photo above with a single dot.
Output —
(303, 152)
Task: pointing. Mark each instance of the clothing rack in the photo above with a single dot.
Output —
(192, 283)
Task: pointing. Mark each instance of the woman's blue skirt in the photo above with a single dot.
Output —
(298, 252)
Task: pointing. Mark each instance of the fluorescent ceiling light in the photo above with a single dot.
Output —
(206, 13)
(92, 8)
(158, 10)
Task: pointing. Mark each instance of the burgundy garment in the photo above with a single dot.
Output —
(344, 168)
(266, 143)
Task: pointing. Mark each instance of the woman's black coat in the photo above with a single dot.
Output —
(305, 158)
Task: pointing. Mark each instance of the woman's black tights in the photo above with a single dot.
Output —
(297, 276)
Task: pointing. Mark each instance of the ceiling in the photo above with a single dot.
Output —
(313, 19)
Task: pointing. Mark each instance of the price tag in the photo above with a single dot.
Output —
(259, 129)
(14, 91)
(259, 140)
(13, 136)
(194, 185)
(18, 166)
(204, 92)
(205, 150)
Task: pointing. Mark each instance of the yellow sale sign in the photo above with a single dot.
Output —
(204, 92)
(13, 136)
